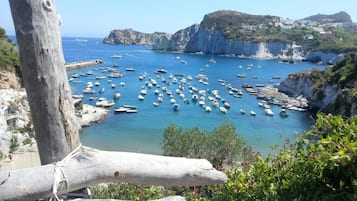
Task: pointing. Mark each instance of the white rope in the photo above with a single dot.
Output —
(59, 176)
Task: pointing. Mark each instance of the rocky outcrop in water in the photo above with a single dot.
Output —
(131, 37)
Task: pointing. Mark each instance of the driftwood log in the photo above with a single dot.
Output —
(66, 166)
(92, 166)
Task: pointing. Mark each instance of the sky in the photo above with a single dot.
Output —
(95, 18)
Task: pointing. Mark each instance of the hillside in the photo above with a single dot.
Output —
(241, 34)
(9, 63)
(337, 17)
(333, 90)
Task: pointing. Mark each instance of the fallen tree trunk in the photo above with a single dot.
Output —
(91, 166)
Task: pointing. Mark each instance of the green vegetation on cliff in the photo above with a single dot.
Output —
(9, 56)
(256, 28)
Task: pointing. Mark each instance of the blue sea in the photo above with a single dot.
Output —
(143, 131)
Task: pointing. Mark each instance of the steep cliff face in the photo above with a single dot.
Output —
(131, 37)
(176, 42)
(333, 90)
(328, 99)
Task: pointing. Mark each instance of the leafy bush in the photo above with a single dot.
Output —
(14, 144)
(222, 146)
(9, 57)
(126, 191)
(321, 165)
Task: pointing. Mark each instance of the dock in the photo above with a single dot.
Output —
(82, 64)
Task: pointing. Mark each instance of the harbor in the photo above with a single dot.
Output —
(200, 94)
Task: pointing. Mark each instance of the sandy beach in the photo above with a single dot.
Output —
(20, 160)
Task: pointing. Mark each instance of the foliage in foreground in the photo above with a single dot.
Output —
(320, 165)
(221, 147)
(9, 56)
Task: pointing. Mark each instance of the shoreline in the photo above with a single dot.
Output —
(82, 64)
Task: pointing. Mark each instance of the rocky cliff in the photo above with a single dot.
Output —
(333, 90)
(131, 37)
(234, 33)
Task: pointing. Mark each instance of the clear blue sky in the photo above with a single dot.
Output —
(95, 18)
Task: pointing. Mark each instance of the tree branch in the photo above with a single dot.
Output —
(93, 166)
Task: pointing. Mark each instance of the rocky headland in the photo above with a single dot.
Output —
(239, 34)
(333, 90)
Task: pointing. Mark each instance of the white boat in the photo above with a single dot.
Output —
(208, 108)
(212, 60)
(104, 103)
(131, 111)
(115, 56)
(155, 104)
(130, 69)
(96, 83)
(113, 86)
(88, 91)
(121, 109)
(269, 112)
(252, 113)
(122, 84)
(223, 109)
(141, 97)
(77, 96)
(100, 77)
(116, 95)
(242, 111)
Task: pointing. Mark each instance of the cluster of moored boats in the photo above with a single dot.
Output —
(174, 88)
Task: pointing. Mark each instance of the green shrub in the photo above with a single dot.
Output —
(14, 144)
(27, 141)
(222, 146)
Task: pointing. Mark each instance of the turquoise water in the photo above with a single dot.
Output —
(143, 131)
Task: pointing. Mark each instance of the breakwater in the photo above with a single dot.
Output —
(82, 64)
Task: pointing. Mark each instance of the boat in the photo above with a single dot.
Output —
(116, 95)
(155, 104)
(130, 69)
(88, 90)
(223, 109)
(284, 113)
(242, 111)
(133, 107)
(101, 90)
(212, 60)
(113, 86)
(269, 112)
(122, 84)
(141, 97)
(77, 96)
(115, 56)
(208, 108)
(252, 113)
(121, 109)
(176, 107)
(104, 103)
(276, 77)
(160, 70)
(100, 77)
(132, 111)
